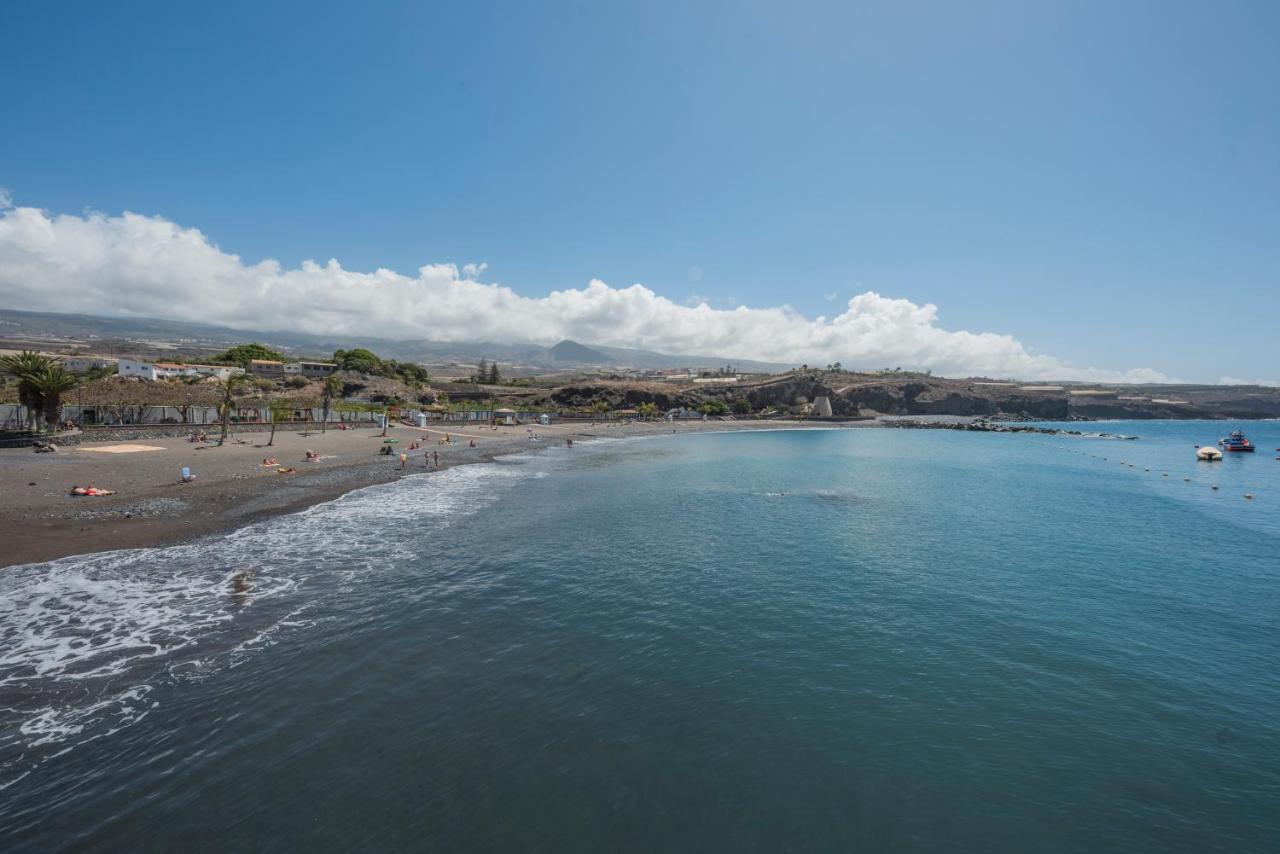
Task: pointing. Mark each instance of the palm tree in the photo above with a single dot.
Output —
(278, 413)
(332, 389)
(22, 366)
(647, 410)
(225, 407)
(51, 381)
(41, 382)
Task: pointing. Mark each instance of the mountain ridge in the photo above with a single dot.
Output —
(205, 336)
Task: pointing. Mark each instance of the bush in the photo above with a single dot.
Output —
(296, 382)
(359, 359)
(242, 354)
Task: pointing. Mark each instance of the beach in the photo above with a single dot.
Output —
(41, 520)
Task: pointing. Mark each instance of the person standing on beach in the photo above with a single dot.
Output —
(436, 456)
(404, 460)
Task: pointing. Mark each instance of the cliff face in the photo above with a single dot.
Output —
(952, 397)
(786, 391)
(621, 396)
(865, 394)
(908, 396)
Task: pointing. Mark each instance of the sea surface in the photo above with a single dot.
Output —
(838, 640)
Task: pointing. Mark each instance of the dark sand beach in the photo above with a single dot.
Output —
(40, 520)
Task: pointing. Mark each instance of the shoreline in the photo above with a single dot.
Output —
(152, 508)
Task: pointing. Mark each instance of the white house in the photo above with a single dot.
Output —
(130, 368)
(81, 364)
(172, 370)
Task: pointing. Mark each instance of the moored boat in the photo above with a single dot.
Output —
(1236, 442)
(1208, 454)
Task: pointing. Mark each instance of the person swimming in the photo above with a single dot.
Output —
(242, 582)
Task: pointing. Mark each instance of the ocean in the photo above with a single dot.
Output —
(828, 640)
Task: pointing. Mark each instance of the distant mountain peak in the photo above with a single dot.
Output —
(572, 351)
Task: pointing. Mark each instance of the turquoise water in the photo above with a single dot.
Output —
(854, 640)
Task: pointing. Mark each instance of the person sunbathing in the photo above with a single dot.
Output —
(283, 470)
(267, 462)
(91, 490)
(312, 456)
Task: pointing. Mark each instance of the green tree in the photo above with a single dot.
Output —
(407, 372)
(242, 354)
(360, 360)
(51, 382)
(714, 407)
(224, 408)
(647, 410)
(41, 383)
(23, 366)
(482, 372)
(742, 406)
(278, 413)
(494, 377)
(332, 388)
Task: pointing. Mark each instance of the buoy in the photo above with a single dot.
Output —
(1186, 480)
(1165, 474)
(1248, 496)
(1214, 487)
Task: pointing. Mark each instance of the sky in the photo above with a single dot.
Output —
(1040, 190)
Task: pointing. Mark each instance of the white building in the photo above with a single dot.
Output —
(172, 370)
(82, 364)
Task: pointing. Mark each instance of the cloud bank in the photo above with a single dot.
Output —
(147, 266)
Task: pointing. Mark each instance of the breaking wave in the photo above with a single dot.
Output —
(85, 641)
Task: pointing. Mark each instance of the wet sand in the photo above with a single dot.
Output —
(40, 520)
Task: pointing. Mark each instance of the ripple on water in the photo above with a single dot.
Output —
(85, 640)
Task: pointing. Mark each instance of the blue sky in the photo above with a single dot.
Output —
(1099, 180)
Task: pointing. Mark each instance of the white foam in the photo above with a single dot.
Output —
(83, 640)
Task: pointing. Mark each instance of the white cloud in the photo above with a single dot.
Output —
(1239, 381)
(133, 265)
(6, 199)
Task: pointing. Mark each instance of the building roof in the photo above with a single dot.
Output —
(264, 362)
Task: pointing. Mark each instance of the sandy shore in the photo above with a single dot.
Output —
(40, 520)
